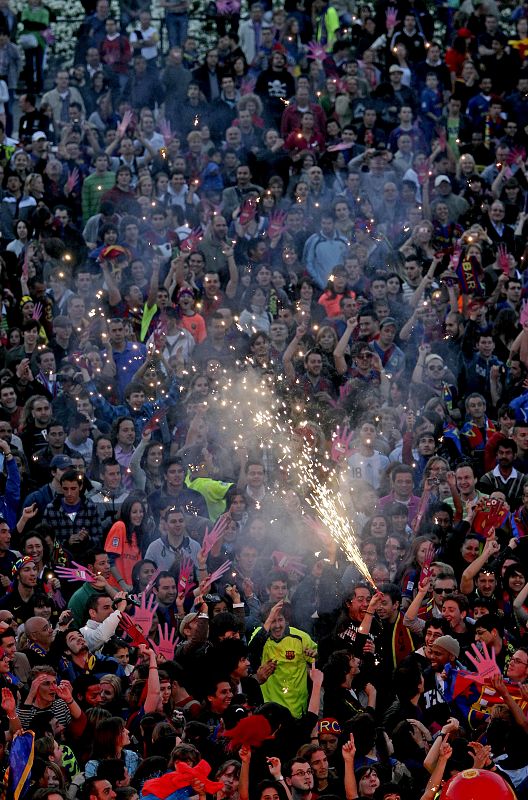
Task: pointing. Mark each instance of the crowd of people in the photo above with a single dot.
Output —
(229, 279)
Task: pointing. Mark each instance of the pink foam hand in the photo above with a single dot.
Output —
(125, 122)
(425, 573)
(222, 569)
(291, 564)
(144, 615)
(516, 156)
(455, 258)
(248, 211)
(58, 599)
(341, 443)
(336, 148)
(485, 663)
(192, 241)
(132, 630)
(75, 573)
(442, 139)
(166, 132)
(503, 259)
(184, 576)
(215, 534)
(523, 318)
(150, 585)
(73, 177)
(277, 224)
(391, 17)
(318, 529)
(37, 311)
(316, 51)
(166, 642)
(153, 423)
(247, 86)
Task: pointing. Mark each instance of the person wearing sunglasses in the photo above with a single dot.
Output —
(421, 609)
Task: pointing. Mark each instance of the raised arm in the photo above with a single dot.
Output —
(289, 353)
(490, 550)
(339, 352)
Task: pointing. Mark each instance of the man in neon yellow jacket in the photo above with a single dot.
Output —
(292, 651)
(326, 23)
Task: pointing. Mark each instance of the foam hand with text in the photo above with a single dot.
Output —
(144, 615)
(75, 573)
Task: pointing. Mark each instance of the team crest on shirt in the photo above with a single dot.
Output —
(115, 541)
(289, 655)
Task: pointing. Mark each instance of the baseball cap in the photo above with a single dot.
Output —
(395, 68)
(440, 179)
(188, 618)
(433, 357)
(38, 135)
(388, 321)
(448, 643)
(61, 462)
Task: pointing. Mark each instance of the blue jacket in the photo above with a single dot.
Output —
(10, 500)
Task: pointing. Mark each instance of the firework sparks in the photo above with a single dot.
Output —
(330, 509)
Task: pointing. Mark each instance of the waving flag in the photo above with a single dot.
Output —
(21, 758)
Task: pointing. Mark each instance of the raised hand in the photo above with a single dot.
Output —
(391, 18)
(8, 702)
(64, 691)
(185, 574)
(455, 258)
(192, 241)
(222, 569)
(167, 642)
(212, 537)
(341, 443)
(71, 182)
(485, 663)
(125, 122)
(316, 52)
(348, 750)
(503, 259)
(37, 311)
(144, 614)
(291, 564)
(425, 573)
(75, 573)
(277, 224)
(248, 211)
(166, 132)
(152, 581)
(154, 421)
(133, 631)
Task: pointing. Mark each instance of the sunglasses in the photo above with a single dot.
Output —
(444, 591)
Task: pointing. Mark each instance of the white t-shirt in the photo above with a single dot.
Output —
(368, 468)
(148, 53)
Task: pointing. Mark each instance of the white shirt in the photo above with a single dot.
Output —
(96, 634)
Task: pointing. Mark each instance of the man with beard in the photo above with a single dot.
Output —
(82, 662)
(435, 709)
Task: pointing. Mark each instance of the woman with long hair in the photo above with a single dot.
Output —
(123, 543)
(145, 465)
(102, 449)
(110, 740)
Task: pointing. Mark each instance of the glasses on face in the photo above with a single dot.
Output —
(444, 591)
(515, 660)
(365, 355)
(302, 773)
